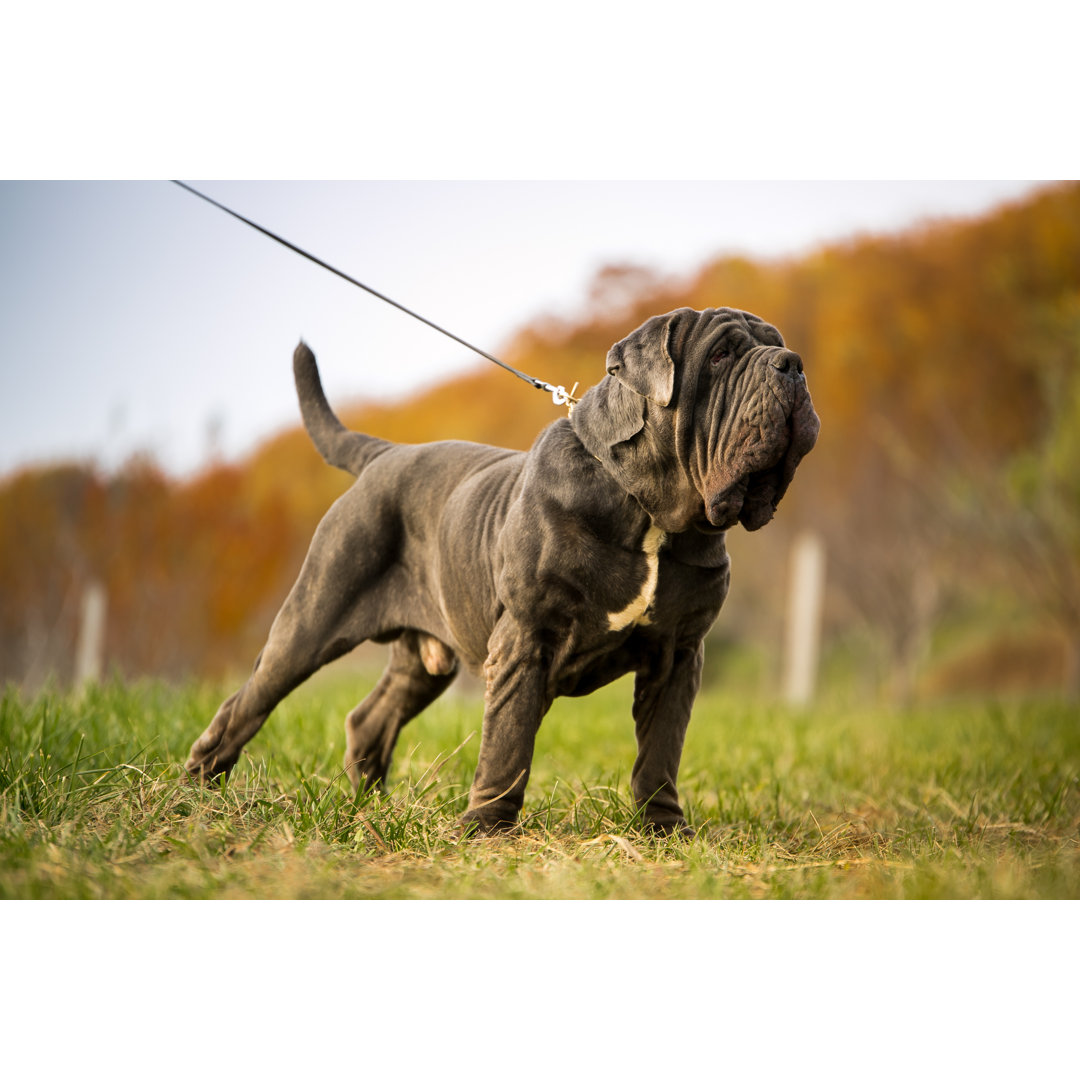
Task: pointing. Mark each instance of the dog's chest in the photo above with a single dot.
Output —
(636, 612)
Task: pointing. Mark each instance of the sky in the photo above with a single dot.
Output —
(136, 318)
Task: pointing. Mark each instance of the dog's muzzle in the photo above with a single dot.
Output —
(748, 491)
(750, 502)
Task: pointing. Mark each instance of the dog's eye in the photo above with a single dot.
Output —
(719, 358)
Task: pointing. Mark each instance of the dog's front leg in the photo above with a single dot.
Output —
(663, 697)
(515, 700)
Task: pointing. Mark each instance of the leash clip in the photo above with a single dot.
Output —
(560, 395)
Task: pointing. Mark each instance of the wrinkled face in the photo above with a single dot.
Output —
(705, 417)
(753, 419)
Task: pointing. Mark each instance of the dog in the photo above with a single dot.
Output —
(551, 572)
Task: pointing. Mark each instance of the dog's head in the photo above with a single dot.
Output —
(703, 418)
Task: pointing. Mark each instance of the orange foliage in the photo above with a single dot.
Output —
(919, 351)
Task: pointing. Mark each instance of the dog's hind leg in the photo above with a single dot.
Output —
(284, 663)
(331, 609)
(420, 669)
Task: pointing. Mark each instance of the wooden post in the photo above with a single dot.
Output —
(90, 648)
(804, 618)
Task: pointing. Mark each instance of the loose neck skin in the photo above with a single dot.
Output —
(634, 440)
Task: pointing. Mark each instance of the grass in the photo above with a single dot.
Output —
(971, 800)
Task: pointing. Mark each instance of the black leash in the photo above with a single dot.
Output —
(558, 393)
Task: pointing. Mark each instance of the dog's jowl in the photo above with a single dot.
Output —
(598, 552)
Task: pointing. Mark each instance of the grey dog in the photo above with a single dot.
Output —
(597, 553)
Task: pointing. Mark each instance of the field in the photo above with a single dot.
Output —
(968, 800)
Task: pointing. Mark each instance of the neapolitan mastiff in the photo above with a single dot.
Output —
(598, 552)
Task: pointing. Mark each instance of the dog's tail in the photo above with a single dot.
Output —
(340, 447)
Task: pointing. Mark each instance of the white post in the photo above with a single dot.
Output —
(804, 618)
(90, 648)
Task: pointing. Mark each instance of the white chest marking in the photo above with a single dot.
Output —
(636, 612)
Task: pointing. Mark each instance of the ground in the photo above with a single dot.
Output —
(974, 799)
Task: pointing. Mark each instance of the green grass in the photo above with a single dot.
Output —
(973, 800)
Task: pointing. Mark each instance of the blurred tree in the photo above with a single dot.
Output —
(43, 565)
(1027, 510)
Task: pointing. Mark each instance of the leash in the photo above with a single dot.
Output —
(559, 394)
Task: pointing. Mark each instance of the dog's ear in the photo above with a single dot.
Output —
(609, 414)
(642, 361)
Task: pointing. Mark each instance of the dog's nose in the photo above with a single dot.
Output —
(786, 360)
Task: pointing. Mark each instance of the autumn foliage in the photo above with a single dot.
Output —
(944, 363)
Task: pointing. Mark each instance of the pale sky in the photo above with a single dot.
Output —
(136, 317)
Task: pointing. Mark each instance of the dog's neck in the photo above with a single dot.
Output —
(636, 448)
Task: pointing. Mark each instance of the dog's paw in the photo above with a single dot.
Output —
(198, 778)
(676, 828)
(476, 825)
(202, 771)
(204, 764)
